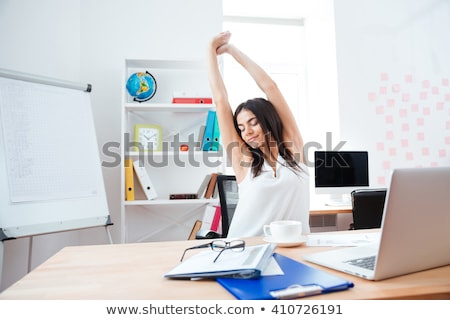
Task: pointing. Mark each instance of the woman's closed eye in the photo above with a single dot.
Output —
(251, 123)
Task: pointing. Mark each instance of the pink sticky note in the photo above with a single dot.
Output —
(379, 110)
(392, 152)
(389, 118)
(420, 121)
(381, 180)
(442, 153)
(423, 95)
(386, 165)
(391, 102)
(409, 156)
(409, 78)
(389, 135)
(425, 151)
(447, 97)
(396, 88)
(405, 127)
(404, 143)
(435, 90)
(420, 136)
(414, 107)
(440, 106)
(403, 113)
(372, 96)
(447, 140)
(380, 146)
(384, 76)
(425, 84)
(383, 90)
(447, 125)
(445, 82)
(405, 97)
(426, 111)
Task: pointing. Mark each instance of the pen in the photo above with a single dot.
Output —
(296, 291)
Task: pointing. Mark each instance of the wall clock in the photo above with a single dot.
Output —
(149, 136)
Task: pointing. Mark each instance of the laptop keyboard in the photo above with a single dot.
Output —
(367, 262)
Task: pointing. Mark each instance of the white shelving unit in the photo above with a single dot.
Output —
(171, 170)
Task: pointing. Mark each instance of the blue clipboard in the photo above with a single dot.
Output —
(299, 280)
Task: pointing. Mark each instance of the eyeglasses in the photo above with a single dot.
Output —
(220, 246)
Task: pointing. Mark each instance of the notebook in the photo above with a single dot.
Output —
(414, 232)
(298, 280)
(245, 264)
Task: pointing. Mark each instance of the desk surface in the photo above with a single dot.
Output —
(318, 206)
(324, 209)
(135, 271)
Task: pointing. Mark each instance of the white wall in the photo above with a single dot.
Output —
(87, 41)
(394, 74)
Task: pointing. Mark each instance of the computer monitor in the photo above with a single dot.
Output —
(338, 173)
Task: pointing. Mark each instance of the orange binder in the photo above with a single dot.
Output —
(129, 180)
(211, 185)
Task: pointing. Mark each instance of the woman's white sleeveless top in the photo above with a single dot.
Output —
(268, 198)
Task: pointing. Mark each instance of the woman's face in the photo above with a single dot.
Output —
(251, 131)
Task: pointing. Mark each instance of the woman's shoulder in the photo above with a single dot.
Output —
(241, 173)
(241, 163)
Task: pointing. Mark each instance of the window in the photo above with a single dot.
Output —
(278, 45)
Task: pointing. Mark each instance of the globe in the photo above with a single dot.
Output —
(141, 86)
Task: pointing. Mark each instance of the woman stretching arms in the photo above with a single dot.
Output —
(265, 146)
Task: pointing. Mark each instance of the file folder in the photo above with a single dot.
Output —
(211, 185)
(144, 180)
(129, 180)
(203, 186)
(298, 280)
(216, 135)
(209, 131)
(211, 218)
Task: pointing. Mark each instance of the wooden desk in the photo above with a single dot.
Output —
(135, 271)
(324, 209)
(318, 207)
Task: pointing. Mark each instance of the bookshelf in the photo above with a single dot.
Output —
(171, 169)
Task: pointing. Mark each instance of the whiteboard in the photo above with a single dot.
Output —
(51, 177)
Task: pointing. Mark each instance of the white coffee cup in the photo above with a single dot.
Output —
(284, 230)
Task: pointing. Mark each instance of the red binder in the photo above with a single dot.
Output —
(216, 220)
(192, 100)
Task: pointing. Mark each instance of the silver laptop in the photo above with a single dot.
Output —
(415, 230)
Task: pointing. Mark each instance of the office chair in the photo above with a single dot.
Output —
(367, 208)
(229, 197)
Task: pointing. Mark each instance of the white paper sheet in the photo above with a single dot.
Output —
(40, 148)
(342, 240)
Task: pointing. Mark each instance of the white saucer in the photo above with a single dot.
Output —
(295, 243)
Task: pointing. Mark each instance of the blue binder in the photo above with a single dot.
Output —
(209, 132)
(298, 280)
(216, 135)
